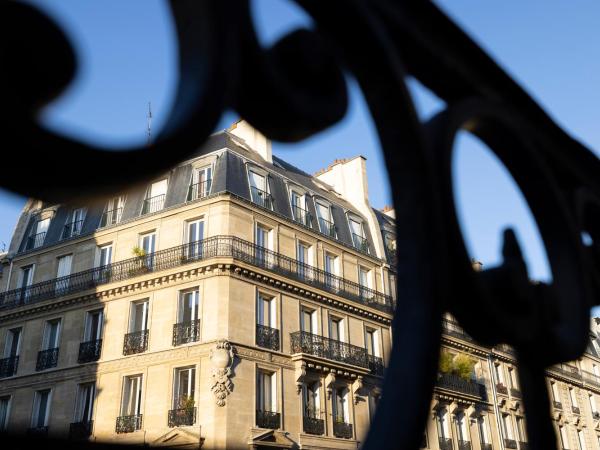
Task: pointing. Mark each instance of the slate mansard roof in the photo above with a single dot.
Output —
(230, 158)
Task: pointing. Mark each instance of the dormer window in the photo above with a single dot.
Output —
(259, 190)
(38, 234)
(201, 183)
(113, 211)
(358, 235)
(325, 220)
(299, 211)
(74, 225)
(155, 197)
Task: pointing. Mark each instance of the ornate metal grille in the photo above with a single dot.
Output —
(47, 359)
(268, 419)
(445, 443)
(313, 344)
(182, 417)
(186, 332)
(267, 337)
(35, 241)
(81, 430)
(313, 425)
(261, 198)
(8, 366)
(375, 365)
(153, 204)
(89, 351)
(342, 429)
(510, 443)
(129, 424)
(464, 445)
(523, 445)
(457, 384)
(136, 342)
(199, 190)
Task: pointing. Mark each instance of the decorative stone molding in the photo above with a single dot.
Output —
(356, 388)
(330, 384)
(221, 358)
(300, 375)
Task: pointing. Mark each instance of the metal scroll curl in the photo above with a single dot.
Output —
(295, 89)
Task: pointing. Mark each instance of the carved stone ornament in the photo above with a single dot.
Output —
(221, 358)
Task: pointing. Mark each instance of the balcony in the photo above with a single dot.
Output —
(445, 443)
(486, 446)
(136, 342)
(301, 215)
(186, 332)
(153, 204)
(452, 328)
(557, 405)
(89, 351)
(111, 217)
(590, 377)
(501, 389)
(510, 443)
(267, 337)
(261, 198)
(464, 445)
(313, 344)
(567, 371)
(8, 366)
(515, 393)
(596, 415)
(35, 241)
(268, 419)
(375, 365)
(39, 432)
(575, 410)
(128, 424)
(342, 429)
(360, 242)
(523, 445)
(455, 383)
(182, 417)
(327, 227)
(199, 190)
(72, 229)
(312, 425)
(214, 247)
(47, 359)
(81, 430)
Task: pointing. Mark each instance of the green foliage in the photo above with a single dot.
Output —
(460, 365)
(138, 251)
(186, 402)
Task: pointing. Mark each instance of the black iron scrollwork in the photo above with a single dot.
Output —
(296, 88)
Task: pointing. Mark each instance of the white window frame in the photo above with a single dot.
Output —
(133, 313)
(208, 176)
(107, 249)
(266, 309)
(154, 190)
(191, 387)
(261, 399)
(46, 336)
(196, 304)
(139, 395)
(80, 407)
(374, 332)
(8, 343)
(8, 400)
(344, 393)
(314, 321)
(37, 405)
(340, 325)
(327, 206)
(87, 333)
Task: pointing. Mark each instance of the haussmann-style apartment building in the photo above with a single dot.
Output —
(238, 302)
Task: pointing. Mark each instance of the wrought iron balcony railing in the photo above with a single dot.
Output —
(261, 198)
(129, 424)
(81, 430)
(301, 215)
(72, 229)
(452, 328)
(136, 342)
(342, 429)
(182, 417)
(445, 443)
(37, 431)
(464, 445)
(89, 351)
(557, 405)
(327, 227)
(186, 332)
(111, 217)
(523, 445)
(566, 370)
(590, 377)
(313, 425)
(199, 190)
(575, 410)
(267, 337)
(510, 443)
(486, 446)
(360, 242)
(514, 392)
(375, 365)
(153, 204)
(501, 389)
(213, 247)
(268, 419)
(8, 366)
(313, 344)
(35, 241)
(47, 359)
(457, 384)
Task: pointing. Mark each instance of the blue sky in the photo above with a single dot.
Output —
(127, 57)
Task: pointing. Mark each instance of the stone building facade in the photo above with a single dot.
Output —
(238, 302)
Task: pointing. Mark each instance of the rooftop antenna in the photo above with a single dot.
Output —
(149, 117)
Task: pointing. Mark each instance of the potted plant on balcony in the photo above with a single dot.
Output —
(185, 412)
(140, 265)
(461, 365)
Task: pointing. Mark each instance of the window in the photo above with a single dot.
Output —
(499, 374)
(299, 211)
(131, 404)
(38, 234)
(74, 223)
(520, 429)
(155, 197)
(266, 390)
(138, 320)
(325, 220)
(331, 279)
(263, 242)
(573, 397)
(564, 438)
(442, 424)
(12, 346)
(93, 326)
(596, 370)
(4, 412)
(266, 311)
(194, 236)
(593, 407)
(25, 280)
(259, 190)
(373, 403)
(148, 243)
(113, 211)
(184, 389)
(581, 439)
(372, 342)
(84, 409)
(41, 408)
(303, 258)
(312, 400)
(364, 281)
(51, 335)
(62, 273)
(512, 376)
(555, 393)
(482, 426)
(462, 429)
(105, 255)
(358, 235)
(188, 327)
(340, 405)
(507, 428)
(201, 183)
(308, 321)
(336, 329)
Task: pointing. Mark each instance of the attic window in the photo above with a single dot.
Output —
(358, 234)
(259, 190)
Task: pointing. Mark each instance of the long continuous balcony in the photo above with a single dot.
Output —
(452, 328)
(591, 378)
(457, 384)
(213, 247)
(8, 366)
